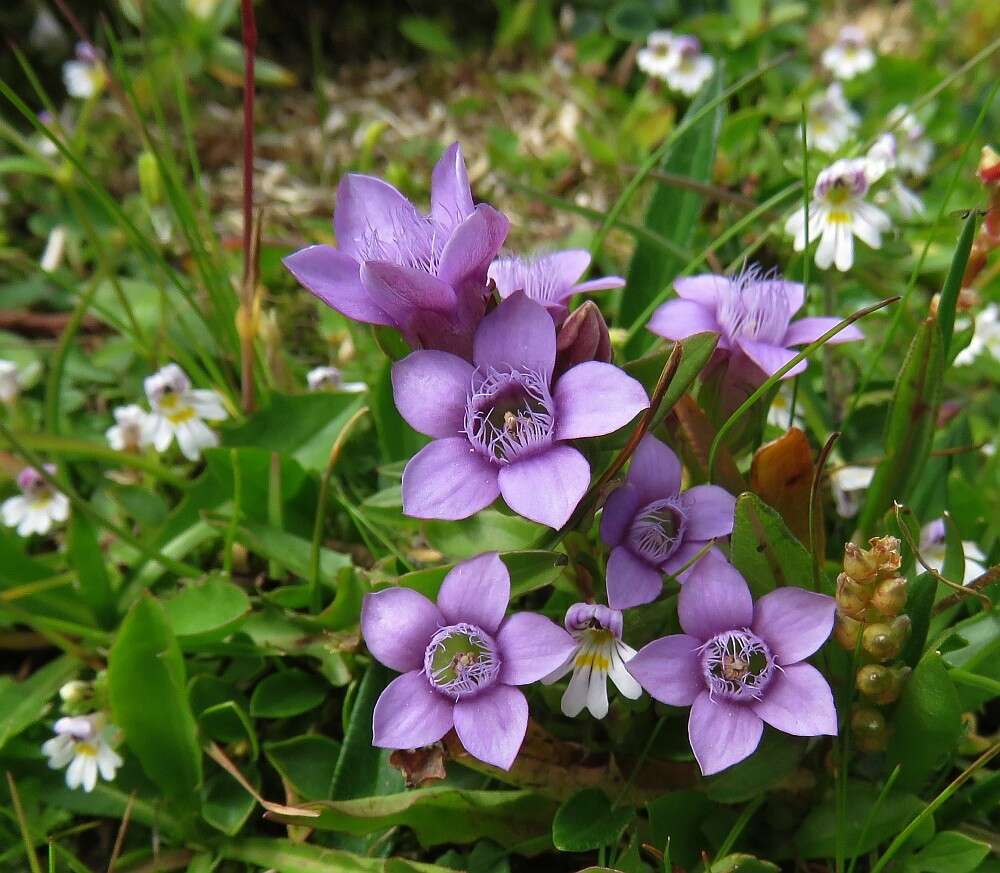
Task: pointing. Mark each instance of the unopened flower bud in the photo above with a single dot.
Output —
(846, 631)
(869, 728)
(989, 165)
(879, 641)
(858, 563)
(874, 680)
(898, 676)
(74, 691)
(889, 596)
(582, 337)
(852, 598)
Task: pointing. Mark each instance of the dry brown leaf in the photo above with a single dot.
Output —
(781, 474)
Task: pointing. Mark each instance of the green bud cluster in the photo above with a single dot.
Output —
(871, 596)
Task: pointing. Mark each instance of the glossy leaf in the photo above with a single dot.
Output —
(225, 804)
(764, 550)
(919, 603)
(677, 817)
(287, 693)
(697, 350)
(948, 301)
(948, 852)
(306, 762)
(207, 611)
(587, 821)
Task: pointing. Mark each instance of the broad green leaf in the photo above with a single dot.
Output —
(466, 538)
(910, 427)
(673, 214)
(207, 611)
(697, 349)
(776, 757)
(306, 762)
(919, 603)
(286, 856)
(23, 703)
(948, 852)
(587, 821)
(740, 863)
(764, 550)
(293, 552)
(677, 817)
(928, 723)
(87, 560)
(225, 804)
(441, 815)
(228, 722)
(287, 693)
(529, 571)
(146, 686)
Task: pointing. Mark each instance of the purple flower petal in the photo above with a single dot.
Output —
(793, 622)
(409, 714)
(565, 268)
(679, 319)
(794, 293)
(715, 598)
(402, 290)
(369, 208)
(631, 581)
(531, 647)
(703, 289)
(807, 330)
(722, 733)
(619, 511)
(477, 592)
(473, 245)
(798, 701)
(670, 669)
(593, 399)
(518, 333)
(655, 472)
(605, 283)
(684, 553)
(546, 487)
(451, 197)
(448, 479)
(430, 389)
(334, 278)
(492, 725)
(397, 624)
(710, 510)
(770, 358)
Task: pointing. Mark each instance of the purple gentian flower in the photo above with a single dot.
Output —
(460, 661)
(752, 315)
(425, 275)
(501, 425)
(654, 529)
(738, 665)
(551, 279)
(599, 655)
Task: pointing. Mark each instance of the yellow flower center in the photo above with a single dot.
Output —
(185, 413)
(86, 749)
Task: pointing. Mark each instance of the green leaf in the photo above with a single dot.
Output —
(740, 863)
(948, 300)
(677, 817)
(587, 821)
(146, 686)
(207, 611)
(948, 852)
(87, 560)
(928, 723)
(764, 550)
(225, 804)
(672, 214)
(23, 703)
(910, 427)
(697, 349)
(306, 762)
(440, 815)
(631, 20)
(288, 693)
(529, 571)
(429, 35)
(227, 722)
(286, 856)
(293, 552)
(919, 603)
(464, 539)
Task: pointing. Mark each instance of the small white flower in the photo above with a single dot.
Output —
(830, 121)
(37, 507)
(55, 246)
(600, 655)
(331, 379)
(838, 213)
(10, 381)
(85, 76)
(178, 411)
(781, 406)
(678, 60)
(913, 150)
(849, 55)
(848, 484)
(883, 159)
(986, 337)
(658, 55)
(85, 744)
(932, 549)
(130, 430)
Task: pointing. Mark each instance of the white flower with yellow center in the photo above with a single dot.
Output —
(10, 381)
(830, 121)
(838, 213)
(657, 57)
(85, 76)
(84, 743)
(600, 655)
(38, 506)
(882, 160)
(331, 379)
(849, 55)
(180, 411)
(677, 60)
(129, 433)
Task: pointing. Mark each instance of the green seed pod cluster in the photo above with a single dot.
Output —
(871, 596)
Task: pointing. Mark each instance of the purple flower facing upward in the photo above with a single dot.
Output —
(551, 279)
(425, 275)
(739, 665)
(460, 660)
(654, 529)
(599, 655)
(751, 313)
(501, 425)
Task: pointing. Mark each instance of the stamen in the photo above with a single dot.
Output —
(737, 665)
(509, 414)
(461, 660)
(755, 306)
(530, 275)
(658, 529)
